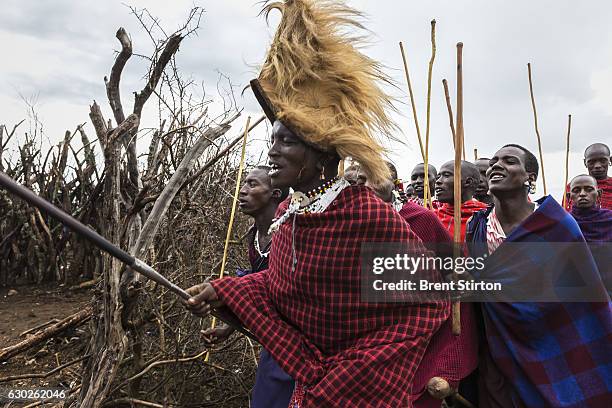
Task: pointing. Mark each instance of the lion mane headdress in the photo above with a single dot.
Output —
(318, 84)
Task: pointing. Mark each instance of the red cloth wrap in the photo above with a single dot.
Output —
(341, 351)
(446, 215)
(448, 356)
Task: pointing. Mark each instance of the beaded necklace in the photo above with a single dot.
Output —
(258, 249)
(315, 200)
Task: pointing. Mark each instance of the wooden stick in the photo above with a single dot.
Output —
(456, 309)
(475, 154)
(450, 111)
(232, 214)
(414, 114)
(426, 192)
(74, 320)
(567, 150)
(535, 119)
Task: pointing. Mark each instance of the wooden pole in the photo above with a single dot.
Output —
(475, 154)
(535, 119)
(567, 150)
(456, 308)
(414, 114)
(450, 111)
(427, 193)
(232, 214)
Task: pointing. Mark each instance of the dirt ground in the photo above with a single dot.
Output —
(32, 306)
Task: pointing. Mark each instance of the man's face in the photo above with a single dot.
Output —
(255, 193)
(597, 161)
(293, 162)
(483, 185)
(506, 171)
(583, 192)
(417, 179)
(445, 184)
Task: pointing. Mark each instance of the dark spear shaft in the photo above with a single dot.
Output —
(136, 264)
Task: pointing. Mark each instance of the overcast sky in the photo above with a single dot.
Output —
(57, 53)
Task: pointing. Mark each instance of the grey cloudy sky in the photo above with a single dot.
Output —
(60, 51)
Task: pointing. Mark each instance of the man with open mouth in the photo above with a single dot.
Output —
(530, 346)
(445, 187)
(324, 99)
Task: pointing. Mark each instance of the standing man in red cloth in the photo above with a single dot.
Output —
(597, 160)
(445, 183)
(324, 99)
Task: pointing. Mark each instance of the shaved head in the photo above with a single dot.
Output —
(470, 178)
(597, 160)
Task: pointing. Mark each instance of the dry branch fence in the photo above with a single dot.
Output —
(169, 207)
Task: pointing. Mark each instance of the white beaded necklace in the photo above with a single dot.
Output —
(257, 247)
(301, 203)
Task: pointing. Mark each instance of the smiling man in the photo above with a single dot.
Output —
(445, 194)
(536, 354)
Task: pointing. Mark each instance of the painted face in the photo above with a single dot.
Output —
(445, 184)
(417, 179)
(507, 172)
(583, 192)
(255, 193)
(483, 185)
(597, 162)
(294, 163)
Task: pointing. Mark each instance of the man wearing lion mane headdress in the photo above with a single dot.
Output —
(323, 97)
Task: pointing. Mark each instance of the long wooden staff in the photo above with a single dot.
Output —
(456, 309)
(232, 214)
(102, 243)
(426, 192)
(449, 107)
(535, 119)
(567, 149)
(414, 113)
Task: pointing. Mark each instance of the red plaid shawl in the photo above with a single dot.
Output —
(445, 214)
(448, 356)
(344, 352)
(606, 194)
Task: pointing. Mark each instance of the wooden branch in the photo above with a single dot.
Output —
(112, 84)
(449, 107)
(157, 69)
(456, 306)
(567, 150)
(42, 375)
(131, 402)
(38, 327)
(99, 123)
(176, 181)
(219, 155)
(71, 321)
(535, 119)
(426, 191)
(414, 114)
